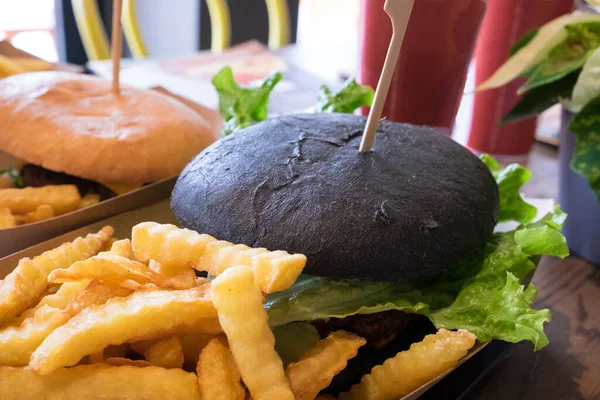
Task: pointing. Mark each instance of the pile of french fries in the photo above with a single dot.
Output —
(128, 319)
(19, 206)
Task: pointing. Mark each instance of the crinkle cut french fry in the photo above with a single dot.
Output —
(99, 382)
(274, 270)
(28, 280)
(168, 244)
(218, 375)
(113, 268)
(41, 213)
(7, 219)
(166, 353)
(177, 278)
(107, 267)
(88, 200)
(244, 321)
(408, 370)
(18, 342)
(95, 293)
(316, 369)
(64, 296)
(62, 198)
(191, 343)
(121, 248)
(140, 316)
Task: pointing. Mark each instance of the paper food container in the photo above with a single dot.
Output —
(23, 236)
(161, 213)
(10, 51)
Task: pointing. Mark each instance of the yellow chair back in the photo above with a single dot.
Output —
(95, 40)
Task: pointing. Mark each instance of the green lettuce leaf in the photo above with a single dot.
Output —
(539, 99)
(544, 237)
(569, 56)
(14, 175)
(483, 294)
(350, 97)
(510, 180)
(505, 314)
(293, 340)
(242, 107)
(586, 157)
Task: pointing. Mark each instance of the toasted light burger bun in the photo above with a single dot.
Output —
(416, 205)
(75, 124)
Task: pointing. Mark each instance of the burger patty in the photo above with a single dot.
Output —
(377, 329)
(36, 176)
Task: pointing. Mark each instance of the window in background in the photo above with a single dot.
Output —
(29, 25)
(330, 28)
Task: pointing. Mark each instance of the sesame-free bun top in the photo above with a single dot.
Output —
(75, 124)
(418, 204)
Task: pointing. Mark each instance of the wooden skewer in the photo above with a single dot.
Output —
(399, 12)
(117, 43)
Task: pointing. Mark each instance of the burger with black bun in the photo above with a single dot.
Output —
(400, 241)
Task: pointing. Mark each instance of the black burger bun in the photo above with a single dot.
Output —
(414, 206)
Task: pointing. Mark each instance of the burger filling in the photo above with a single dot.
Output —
(36, 176)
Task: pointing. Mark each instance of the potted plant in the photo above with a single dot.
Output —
(561, 64)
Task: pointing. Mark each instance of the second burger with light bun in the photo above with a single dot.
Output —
(72, 129)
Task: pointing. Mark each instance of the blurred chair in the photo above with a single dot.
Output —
(96, 44)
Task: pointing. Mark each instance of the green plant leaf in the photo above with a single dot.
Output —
(510, 180)
(242, 107)
(536, 51)
(524, 41)
(350, 97)
(569, 56)
(587, 86)
(539, 99)
(586, 157)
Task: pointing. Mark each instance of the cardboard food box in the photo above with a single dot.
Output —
(161, 213)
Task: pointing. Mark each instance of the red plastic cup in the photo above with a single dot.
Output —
(430, 76)
(505, 22)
